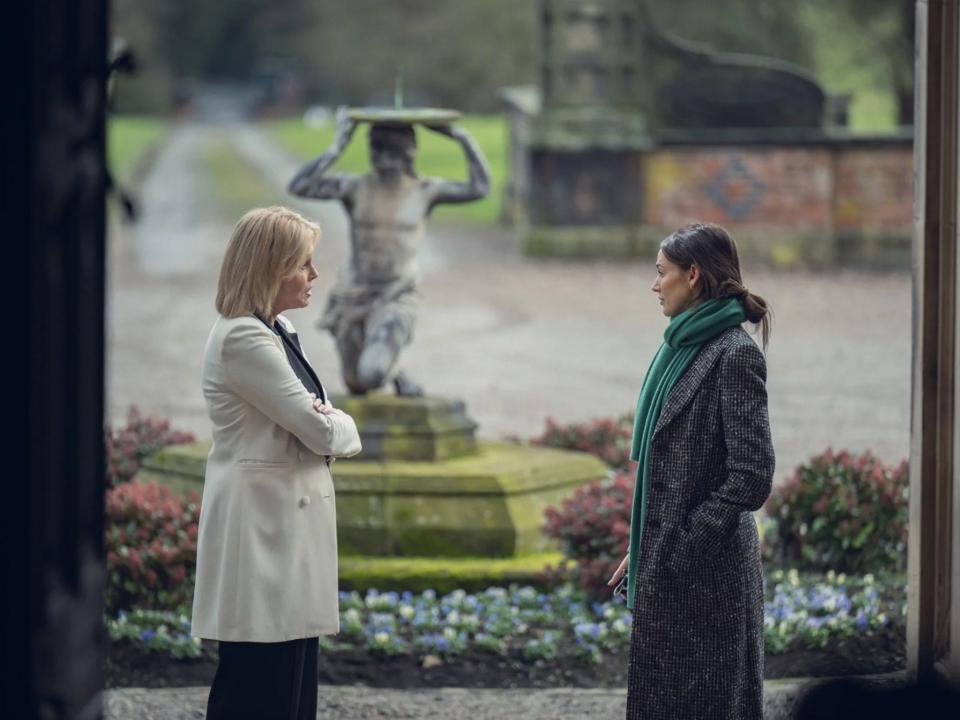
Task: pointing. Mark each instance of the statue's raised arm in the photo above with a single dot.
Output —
(478, 183)
(312, 181)
(372, 311)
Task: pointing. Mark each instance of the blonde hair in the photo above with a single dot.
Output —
(266, 246)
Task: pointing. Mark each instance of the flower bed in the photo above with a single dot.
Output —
(157, 631)
(815, 623)
(519, 621)
(525, 625)
(810, 611)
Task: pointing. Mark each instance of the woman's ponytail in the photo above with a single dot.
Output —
(714, 252)
(759, 313)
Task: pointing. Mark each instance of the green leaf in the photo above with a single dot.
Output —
(862, 536)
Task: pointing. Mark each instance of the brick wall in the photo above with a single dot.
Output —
(830, 189)
(811, 201)
(874, 189)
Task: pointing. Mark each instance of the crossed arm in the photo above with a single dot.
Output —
(258, 371)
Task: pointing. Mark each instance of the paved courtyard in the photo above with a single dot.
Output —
(518, 339)
(362, 703)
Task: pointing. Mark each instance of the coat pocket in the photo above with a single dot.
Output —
(266, 499)
(326, 483)
(680, 556)
(257, 463)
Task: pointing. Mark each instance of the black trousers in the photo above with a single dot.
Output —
(265, 681)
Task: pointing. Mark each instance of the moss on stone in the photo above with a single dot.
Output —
(498, 468)
(180, 484)
(180, 467)
(387, 408)
(877, 249)
(403, 428)
(490, 504)
(190, 459)
(777, 247)
(444, 575)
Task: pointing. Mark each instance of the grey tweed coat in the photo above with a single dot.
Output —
(696, 648)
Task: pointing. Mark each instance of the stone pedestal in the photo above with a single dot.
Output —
(586, 142)
(490, 504)
(398, 428)
(425, 504)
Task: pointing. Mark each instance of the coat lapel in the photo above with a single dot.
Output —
(293, 342)
(688, 384)
(285, 337)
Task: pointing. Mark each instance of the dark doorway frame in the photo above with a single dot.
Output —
(54, 183)
(933, 617)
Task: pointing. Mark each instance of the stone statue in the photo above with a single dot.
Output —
(372, 310)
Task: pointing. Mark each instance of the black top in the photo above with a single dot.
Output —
(298, 362)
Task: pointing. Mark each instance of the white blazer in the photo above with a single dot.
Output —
(267, 545)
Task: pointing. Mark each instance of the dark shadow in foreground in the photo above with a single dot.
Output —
(850, 699)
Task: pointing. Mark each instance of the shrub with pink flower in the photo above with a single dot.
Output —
(607, 438)
(129, 445)
(593, 526)
(839, 512)
(151, 542)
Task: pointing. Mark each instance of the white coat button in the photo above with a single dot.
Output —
(304, 501)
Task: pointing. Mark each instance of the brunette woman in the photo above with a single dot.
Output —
(705, 463)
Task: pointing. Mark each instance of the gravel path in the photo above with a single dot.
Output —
(362, 703)
(780, 699)
(518, 339)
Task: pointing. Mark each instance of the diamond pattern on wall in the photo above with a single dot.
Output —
(736, 190)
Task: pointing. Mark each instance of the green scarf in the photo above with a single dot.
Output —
(682, 340)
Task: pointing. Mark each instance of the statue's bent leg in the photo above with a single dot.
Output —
(379, 355)
(350, 342)
(388, 332)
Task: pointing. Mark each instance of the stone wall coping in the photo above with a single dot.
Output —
(782, 138)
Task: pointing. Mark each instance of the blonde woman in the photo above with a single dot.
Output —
(267, 551)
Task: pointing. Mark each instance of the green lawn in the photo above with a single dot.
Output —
(236, 185)
(129, 138)
(845, 63)
(437, 156)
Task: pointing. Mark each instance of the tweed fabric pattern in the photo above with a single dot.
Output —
(682, 341)
(696, 646)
